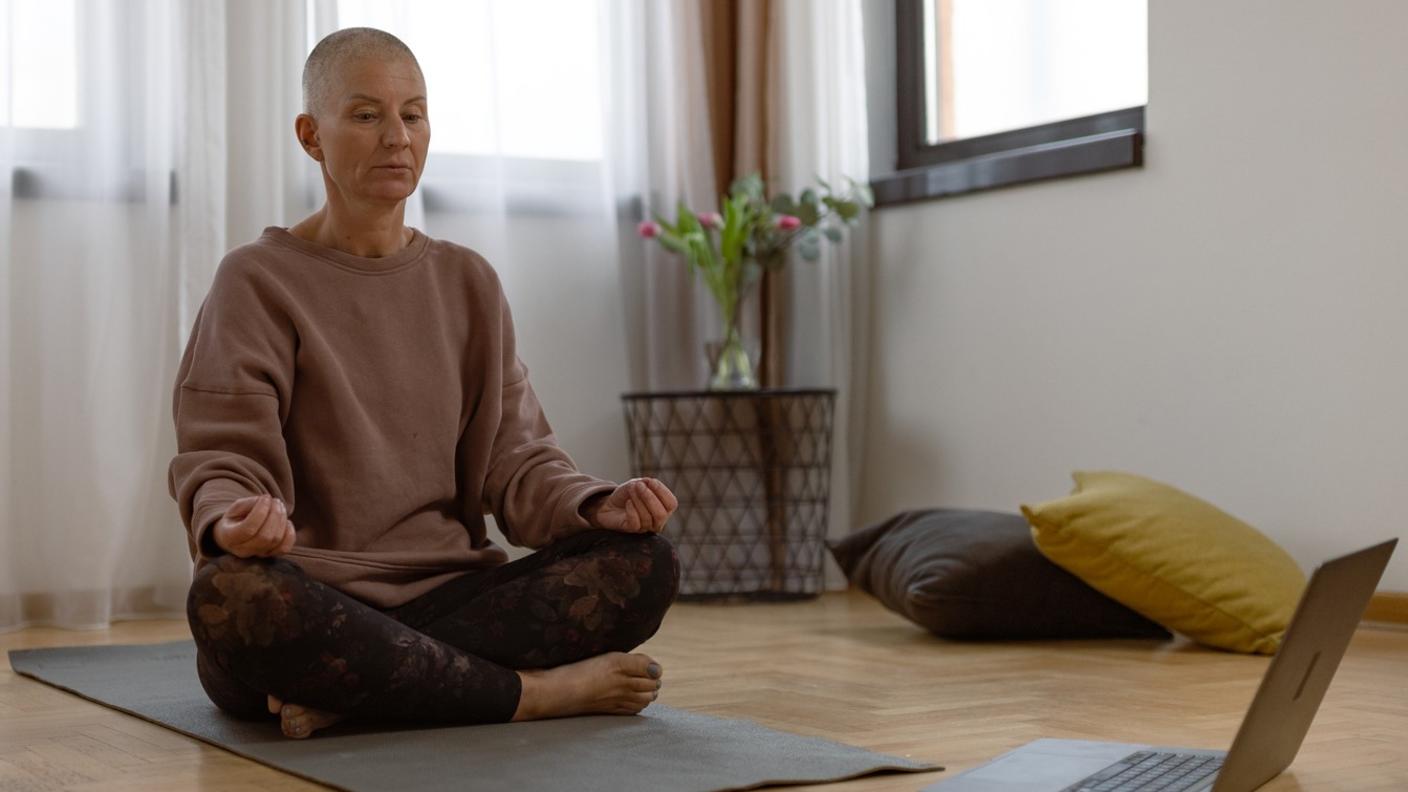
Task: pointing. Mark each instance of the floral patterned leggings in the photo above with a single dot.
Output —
(262, 626)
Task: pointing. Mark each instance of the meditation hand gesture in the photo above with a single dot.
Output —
(255, 526)
(640, 505)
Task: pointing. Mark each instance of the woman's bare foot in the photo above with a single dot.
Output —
(299, 721)
(614, 683)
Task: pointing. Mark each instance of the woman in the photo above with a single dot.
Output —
(366, 373)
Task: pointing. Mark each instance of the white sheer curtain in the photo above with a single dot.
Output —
(135, 149)
(179, 146)
(657, 120)
(819, 129)
(88, 263)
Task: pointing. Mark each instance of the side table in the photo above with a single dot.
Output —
(752, 473)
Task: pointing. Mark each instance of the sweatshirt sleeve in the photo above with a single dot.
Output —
(230, 400)
(532, 488)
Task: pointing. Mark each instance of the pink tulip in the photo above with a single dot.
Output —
(648, 229)
(711, 219)
(788, 222)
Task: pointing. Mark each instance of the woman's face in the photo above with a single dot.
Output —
(373, 131)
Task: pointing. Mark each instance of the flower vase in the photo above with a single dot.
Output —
(733, 362)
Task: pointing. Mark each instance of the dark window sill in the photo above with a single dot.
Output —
(1093, 144)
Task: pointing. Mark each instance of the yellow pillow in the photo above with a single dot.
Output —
(1173, 558)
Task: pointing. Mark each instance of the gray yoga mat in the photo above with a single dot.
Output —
(662, 748)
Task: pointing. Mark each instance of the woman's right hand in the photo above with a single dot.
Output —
(255, 526)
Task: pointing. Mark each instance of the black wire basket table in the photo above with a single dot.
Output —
(752, 472)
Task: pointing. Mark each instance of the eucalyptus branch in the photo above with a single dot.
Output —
(752, 228)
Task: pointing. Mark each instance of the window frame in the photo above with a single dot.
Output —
(1069, 147)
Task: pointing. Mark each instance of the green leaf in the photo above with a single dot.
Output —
(808, 197)
(734, 230)
(783, 204)
(833, 233)
(673, 243)
(808, 213)
(686, 220)
(702, 256)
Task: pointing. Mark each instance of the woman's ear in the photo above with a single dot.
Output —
(305, 127)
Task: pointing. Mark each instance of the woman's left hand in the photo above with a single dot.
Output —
(641, 505)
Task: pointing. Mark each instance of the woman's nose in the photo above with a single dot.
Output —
(396, 134)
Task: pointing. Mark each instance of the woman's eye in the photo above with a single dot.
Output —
(365, 115)
(413, 116)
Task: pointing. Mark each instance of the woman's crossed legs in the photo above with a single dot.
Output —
(564, 616)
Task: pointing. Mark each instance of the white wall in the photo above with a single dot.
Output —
(1229, 319)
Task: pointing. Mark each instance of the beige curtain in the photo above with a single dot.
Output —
(741, 74)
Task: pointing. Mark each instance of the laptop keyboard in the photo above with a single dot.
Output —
(1150, 771)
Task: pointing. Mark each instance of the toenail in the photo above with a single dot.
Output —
(653, 669)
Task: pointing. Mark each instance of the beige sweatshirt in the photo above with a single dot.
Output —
(382, 400)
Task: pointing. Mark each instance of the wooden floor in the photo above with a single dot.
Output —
(839, 667)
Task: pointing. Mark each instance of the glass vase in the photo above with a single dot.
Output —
(733, 362)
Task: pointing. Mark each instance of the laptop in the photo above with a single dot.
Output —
(1295, 682)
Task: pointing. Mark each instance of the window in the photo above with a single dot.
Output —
(55, 104)
(997, 92)
(47, 54)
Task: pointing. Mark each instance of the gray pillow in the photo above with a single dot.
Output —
(977, 574)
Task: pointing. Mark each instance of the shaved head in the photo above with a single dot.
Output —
(320, 71)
